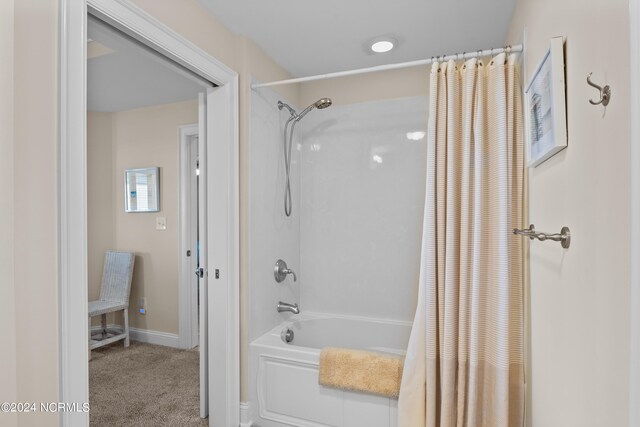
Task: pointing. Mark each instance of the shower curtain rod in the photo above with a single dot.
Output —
(455, 56)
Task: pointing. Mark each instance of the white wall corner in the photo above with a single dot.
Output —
(245, 414)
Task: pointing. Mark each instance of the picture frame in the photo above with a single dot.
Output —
(142, 190)
(545, 107)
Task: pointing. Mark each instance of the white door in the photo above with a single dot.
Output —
(219, 339)
(202, 255)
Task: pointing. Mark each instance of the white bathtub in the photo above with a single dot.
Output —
(283, 382)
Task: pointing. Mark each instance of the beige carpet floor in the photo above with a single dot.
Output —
(144, 385)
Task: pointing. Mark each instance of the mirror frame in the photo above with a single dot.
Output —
(154, 173)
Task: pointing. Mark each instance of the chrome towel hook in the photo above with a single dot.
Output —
(605, 92)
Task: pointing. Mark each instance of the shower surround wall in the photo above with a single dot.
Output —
(272, 235)
(357, 177)
(362, 177)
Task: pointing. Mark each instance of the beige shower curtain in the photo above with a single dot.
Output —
(464, 364)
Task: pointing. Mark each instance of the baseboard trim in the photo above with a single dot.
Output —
(245, 414)
(155, 337)
(148, 336)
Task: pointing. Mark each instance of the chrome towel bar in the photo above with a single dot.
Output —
(564, 237)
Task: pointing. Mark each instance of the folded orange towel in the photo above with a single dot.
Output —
(361, 371)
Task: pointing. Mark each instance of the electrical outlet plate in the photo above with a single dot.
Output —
(142, 305)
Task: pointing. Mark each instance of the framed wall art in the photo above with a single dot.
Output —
(545, 109)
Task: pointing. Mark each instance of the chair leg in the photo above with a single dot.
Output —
(104, 325)
(126, 326)
(89, 346)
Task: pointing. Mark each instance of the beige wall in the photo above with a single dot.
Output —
(8, 361)
(100, 198)
(579, 298)
(149, 137)
(35, 204)
(368, 87)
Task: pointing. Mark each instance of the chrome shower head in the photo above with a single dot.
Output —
(323, 103)
(320, 104)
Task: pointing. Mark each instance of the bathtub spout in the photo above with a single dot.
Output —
(283, 306)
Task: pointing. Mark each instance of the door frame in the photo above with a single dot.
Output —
(187, 293)
(72, 187)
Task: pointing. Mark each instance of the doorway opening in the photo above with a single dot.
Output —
(137, 102)
(218, 140)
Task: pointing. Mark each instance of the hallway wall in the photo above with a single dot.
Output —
(100, 210)
(142, 137)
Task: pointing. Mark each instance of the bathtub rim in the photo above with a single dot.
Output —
(272, 338)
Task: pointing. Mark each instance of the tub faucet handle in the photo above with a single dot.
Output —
(280, 271)
(290, 271)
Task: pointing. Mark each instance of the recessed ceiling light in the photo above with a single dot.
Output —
(382, 44)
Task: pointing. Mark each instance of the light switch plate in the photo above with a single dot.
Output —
(161, 223)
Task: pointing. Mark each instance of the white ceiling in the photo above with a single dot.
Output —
(125, 75)
(313, 37)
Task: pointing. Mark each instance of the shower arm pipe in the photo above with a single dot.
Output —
(455, 57)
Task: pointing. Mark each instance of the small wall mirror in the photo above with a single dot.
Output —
(141, 190)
